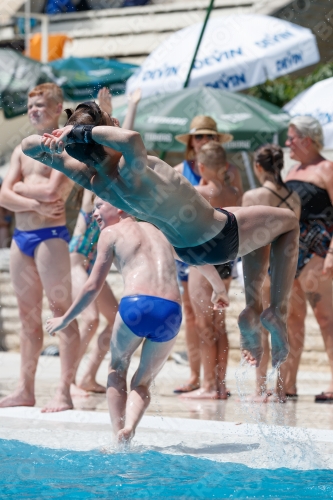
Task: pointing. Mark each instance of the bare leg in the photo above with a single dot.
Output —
(257, 228)
(318, 289)
(29, 293)
(222, 348)
(255, 266)
(108, 306)
(213, 339)
(123, 345)
(52, 261)
(296, 334)
(153, 357)
(192, 341)
(260, 395)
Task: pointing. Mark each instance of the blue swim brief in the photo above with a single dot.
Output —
(151, 317)
(27, 241)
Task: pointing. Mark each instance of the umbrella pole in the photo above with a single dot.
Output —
(248, 169)
(27, 27)
(209, 9)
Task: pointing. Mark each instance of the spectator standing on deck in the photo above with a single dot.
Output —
(312, 179)
(268, 164)
(210, 323)
(39, 257)
(203, 129)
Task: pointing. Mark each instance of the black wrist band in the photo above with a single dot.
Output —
(81, 134)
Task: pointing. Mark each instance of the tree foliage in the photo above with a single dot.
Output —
(282, 90)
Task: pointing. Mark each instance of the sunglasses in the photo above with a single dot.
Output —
(199, 137)
(291, 139)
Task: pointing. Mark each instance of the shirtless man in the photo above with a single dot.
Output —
(149, 309)
(39, 253)
(113, 163)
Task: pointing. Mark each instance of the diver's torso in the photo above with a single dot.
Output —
(164, 198)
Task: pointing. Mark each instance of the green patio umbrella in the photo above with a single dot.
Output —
(251, 121)
(82, 77)
(18, 74)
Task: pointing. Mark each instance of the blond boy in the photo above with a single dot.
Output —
(39, 257)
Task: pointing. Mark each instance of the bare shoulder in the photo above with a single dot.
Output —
(107, 238)
(252, 197)
(327, 168)
(15, 168)
(18, 155)
(108, 233)
(17, 150)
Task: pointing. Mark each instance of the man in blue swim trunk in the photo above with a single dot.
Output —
(149, 312)
(39, 256)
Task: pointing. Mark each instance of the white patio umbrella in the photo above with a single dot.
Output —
(316, 101)
(236, 52)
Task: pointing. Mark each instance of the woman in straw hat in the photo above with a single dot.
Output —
(113, 163)
(203, 129)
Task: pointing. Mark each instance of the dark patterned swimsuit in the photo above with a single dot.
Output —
(316, 221)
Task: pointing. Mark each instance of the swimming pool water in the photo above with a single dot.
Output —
(32, 472)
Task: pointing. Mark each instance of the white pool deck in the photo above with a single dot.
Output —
(257, 446)
(294, 435)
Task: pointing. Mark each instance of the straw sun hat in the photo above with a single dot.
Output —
(203, 125)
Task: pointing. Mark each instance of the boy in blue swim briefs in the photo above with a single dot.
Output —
(39, 256)
(149, 312)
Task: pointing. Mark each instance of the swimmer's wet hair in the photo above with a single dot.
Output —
(212, 155)
(307, 126)
(270, 158)
(86, 113)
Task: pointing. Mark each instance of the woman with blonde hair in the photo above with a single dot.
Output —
(312, 179)
(203, 129)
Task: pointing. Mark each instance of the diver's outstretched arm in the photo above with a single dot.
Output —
(35, 146)
(127, 142)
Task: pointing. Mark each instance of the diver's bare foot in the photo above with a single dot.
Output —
(125, 436)
(250, 328)
(279, 338)
(18, 398)
(200, 394)
(90, 385)
(62, 401)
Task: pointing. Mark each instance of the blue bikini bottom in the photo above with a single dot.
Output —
(27, 241)
(151, 317)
